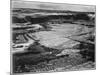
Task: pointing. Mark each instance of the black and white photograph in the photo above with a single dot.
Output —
(52, 37)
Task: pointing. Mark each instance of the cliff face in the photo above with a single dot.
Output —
(50, 37)
(60, 31)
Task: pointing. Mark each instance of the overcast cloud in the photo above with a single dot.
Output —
(53, 6)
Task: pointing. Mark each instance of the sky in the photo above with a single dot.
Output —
(52, 6)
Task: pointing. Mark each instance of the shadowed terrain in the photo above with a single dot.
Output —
(52, 40)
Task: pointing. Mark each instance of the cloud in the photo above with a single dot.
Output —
(52, 6)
